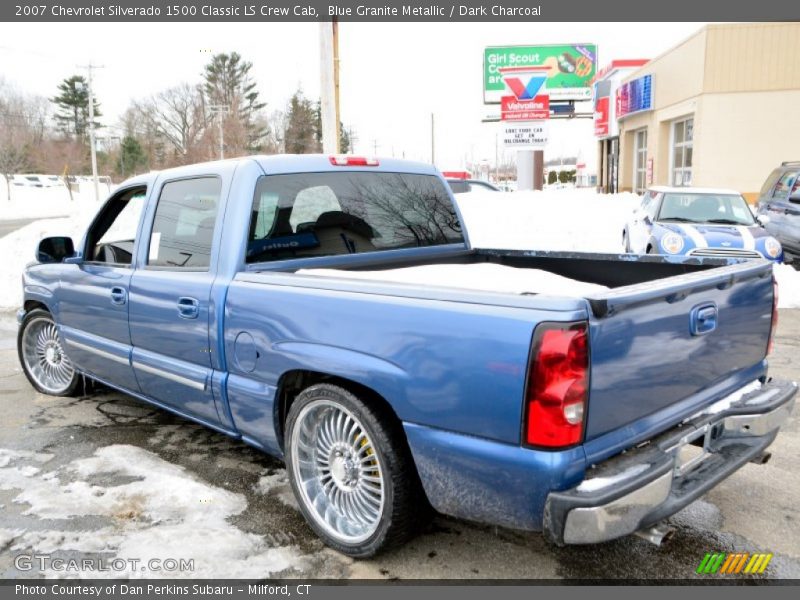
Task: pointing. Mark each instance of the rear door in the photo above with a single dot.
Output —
(658, 349)
(169, 298)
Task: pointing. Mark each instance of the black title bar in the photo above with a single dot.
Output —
(396, 10)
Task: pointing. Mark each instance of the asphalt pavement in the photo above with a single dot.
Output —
(105, 475)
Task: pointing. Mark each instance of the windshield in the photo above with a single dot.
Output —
(723, 209)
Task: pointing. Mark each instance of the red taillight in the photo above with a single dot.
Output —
(774, 325)
(558, 381)
(345, 160)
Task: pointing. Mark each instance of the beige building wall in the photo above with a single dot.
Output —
(741, 83)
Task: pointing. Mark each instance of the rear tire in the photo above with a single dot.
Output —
(42, 356)
(351, 472)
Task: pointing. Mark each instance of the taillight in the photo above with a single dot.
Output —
(345, 160)
(774, 324)
(558, 381)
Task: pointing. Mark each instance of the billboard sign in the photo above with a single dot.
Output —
(634, 96)
(526, 136)
(569, 69)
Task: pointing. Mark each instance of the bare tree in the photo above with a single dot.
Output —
(179, 116)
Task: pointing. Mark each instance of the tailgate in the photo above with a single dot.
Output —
(663, 348)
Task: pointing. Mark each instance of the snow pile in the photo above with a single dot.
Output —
(40, 203)
(575, 219)
(485, 277)
(157, 511)
(19, 248)
(788, 286)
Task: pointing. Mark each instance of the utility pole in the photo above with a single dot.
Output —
(329, 85)
(89, 68)
(220, 110)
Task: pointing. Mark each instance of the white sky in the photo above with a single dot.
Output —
(393, 75)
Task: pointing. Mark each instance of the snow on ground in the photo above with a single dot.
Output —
(568, 219)
(788, 286)
(38, 203)
(153, 510)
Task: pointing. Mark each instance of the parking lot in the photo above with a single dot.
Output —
(105, 475)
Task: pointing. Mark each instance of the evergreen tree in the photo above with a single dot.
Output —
(227, 82)
(72, 102)
(132, 158)
(302, 133)
(344, 137)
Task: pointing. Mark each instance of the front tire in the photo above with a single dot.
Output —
(351, 471)
(42, 356)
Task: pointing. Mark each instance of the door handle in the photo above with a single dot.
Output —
(188, 308)
(118, 295)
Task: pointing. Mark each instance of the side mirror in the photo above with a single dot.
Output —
(795, 196)
(55, 249)
(762, 219)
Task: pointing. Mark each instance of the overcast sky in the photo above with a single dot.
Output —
(393, 76)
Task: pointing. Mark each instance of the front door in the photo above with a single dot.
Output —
(169, 299)
(93, 295)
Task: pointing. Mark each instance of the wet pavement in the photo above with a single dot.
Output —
(105, 476)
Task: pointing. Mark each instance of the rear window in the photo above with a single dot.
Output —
(325, 214)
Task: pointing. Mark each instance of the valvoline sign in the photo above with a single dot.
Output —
(530, 100)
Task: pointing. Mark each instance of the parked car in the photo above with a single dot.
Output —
(259, 296)
(460, 186)
(779, 206)
(699, 222)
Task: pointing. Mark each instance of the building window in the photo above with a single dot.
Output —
(640, 161)
(682, 138)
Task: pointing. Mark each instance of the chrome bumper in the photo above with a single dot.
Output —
(645, 485)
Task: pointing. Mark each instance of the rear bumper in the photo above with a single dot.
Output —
(643, 486)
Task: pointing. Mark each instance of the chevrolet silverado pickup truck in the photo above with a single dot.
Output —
(330, 311)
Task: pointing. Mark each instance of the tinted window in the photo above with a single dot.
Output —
(184, 223)
(324, 214)
(784, 184)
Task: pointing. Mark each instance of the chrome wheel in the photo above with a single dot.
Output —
(44, 356)
(338, 471)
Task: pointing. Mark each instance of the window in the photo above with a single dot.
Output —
(184, 224)
(682, 140)
(640, 161)
(723, 209)
(784, 184)
(112, 235)
(325, 214)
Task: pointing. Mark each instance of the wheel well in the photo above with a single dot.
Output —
(33, 305)
(292, 383)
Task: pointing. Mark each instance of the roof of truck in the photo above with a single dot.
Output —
(296, 163)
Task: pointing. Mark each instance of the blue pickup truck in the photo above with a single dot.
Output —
(587, 416)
